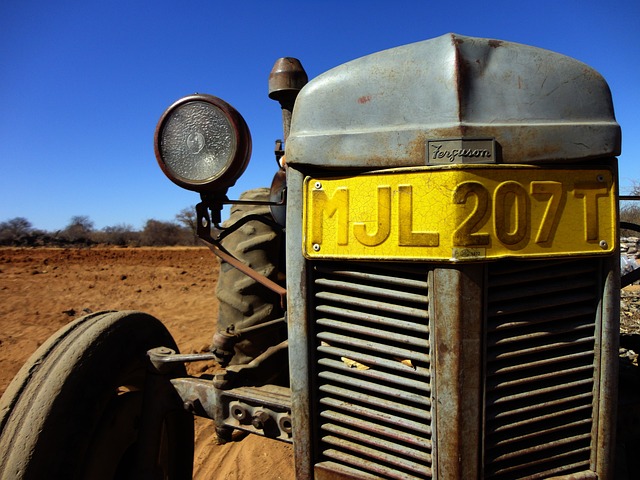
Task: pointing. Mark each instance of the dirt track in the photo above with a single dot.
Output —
(43, 289)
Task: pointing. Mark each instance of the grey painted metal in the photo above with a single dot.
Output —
(609, 331)
(383, 109)
(357, 411)
(298, 329)
(457, 299)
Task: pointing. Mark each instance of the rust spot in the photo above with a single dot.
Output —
(364, 99)
(495, 43)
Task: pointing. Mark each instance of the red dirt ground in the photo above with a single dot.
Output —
(45, 288)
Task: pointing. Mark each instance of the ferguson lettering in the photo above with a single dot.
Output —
(453, 156)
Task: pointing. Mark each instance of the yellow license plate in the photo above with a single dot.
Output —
(461, 214)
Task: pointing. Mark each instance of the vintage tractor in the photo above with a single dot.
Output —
(429, 289)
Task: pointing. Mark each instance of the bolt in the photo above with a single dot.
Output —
(285, 424)
(600, 178)
(603, 244)
(316, 247)
(239, 412)
(317, 185)
(259, 419)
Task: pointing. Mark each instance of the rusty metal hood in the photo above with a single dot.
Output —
(383, 109)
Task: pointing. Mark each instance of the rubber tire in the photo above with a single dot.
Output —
(243, 302)
(74, 409)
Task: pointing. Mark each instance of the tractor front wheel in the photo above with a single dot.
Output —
(88, 406)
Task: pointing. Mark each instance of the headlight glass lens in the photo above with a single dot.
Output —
(197, 142)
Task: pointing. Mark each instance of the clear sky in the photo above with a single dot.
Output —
(83, 83)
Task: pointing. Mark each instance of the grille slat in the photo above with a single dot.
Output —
(363, 450)
(533, 290)
(369, 290)
(538, 455)
(393, 381)
(373, 392)
(570, 316)
(376, 402)
(533, 412)
(534, 305)
(580, 357)
(560, 459)
(531, 422)
(554, 377)
(368, 465)
(376, 431)
(540, 391)
(542, 429)
(369, 331)
(368, 304)
(374, 387)
(373, 319)
(540, 367)
(535, 272)
(375, 415)
(540, 346)
(372, 360)
(368, 277)
(371, 346)
(421, 454)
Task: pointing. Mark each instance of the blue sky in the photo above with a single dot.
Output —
(83, 83)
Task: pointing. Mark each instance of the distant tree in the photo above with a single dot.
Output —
(79, 229)
(121, 234)
(187, 218)
(15, 231)
(158, 233)
(630, 212)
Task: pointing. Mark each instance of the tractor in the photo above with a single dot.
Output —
(429, 287)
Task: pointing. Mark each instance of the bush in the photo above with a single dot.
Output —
(80, 231)
(15, 231)
(121, 235)
(158, 233)
(630, 212)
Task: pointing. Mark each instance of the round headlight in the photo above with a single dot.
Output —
(202, 143)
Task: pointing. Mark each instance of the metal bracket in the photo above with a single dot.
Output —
(162, 357)
(262, 410)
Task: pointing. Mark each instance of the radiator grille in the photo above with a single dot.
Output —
(540, 340)
(373, 392)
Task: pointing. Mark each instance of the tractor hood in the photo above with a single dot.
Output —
(383, 110)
